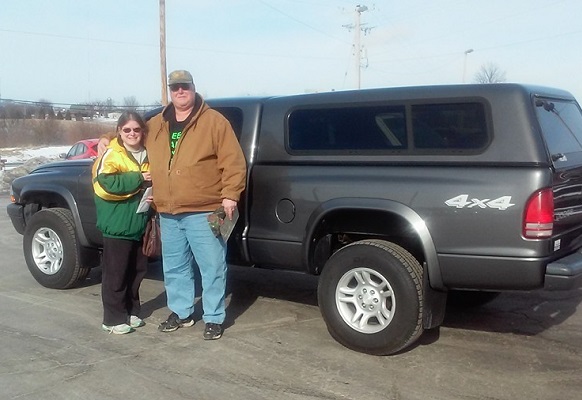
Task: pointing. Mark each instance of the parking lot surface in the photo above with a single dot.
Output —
(276, 346)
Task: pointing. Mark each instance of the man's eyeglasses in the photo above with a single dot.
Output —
(136, 130)
(177, 86)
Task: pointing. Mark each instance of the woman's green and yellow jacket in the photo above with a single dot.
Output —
(118, 186)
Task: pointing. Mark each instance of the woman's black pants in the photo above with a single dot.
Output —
(123, 268)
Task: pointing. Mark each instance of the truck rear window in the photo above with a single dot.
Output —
(443, 128)
(561, 123)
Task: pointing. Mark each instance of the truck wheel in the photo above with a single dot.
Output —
(50, 249)
(370, 296)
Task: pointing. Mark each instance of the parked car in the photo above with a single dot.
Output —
(82, 149)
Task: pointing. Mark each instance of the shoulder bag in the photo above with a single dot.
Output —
(152, 242)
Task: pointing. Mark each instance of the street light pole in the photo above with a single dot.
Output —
(465, 63)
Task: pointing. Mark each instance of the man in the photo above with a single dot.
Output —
(196, 165)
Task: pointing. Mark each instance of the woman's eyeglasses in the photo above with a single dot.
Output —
(136, 130)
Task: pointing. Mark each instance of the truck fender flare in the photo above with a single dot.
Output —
(381, 205)
(69, 199)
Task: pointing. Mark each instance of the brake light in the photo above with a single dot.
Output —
(539, 215)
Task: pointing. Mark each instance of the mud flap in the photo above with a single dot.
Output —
(434, 303)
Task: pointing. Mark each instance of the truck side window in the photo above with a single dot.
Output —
(234, 115)
(348, 128)
(449, 126)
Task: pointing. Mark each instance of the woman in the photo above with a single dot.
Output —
(119, 177)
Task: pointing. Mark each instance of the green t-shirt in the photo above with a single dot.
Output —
(176, 128)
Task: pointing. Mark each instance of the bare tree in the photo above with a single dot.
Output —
(13, 110)
(45, 109)
(130, 103)
(80, 111)
(490, 73)
(109, 106)
(12, 121)
(98, 107)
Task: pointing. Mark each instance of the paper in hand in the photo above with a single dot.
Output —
(144, 206)
(220, 224)
(228, 225)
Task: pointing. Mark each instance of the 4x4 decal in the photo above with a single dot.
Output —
(463, 201)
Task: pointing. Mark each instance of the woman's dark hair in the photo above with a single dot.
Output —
(131, 116)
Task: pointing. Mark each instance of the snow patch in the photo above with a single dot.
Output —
(22, 154)
(21, 160)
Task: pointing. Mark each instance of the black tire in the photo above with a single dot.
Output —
(50, 249)
(83, 274)
(370, 296)
(469, 298)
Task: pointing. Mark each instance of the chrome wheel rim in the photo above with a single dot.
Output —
(47, 251)
(365, 300)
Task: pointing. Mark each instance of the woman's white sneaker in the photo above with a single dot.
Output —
(136, 322)
(120, 329)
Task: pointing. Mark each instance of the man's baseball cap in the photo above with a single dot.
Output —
(180, 76)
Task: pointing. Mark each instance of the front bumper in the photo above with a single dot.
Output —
(565, 273)
(16, 214)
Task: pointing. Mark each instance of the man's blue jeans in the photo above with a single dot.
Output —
(187, 238)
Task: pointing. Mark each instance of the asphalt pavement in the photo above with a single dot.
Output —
(276, 346)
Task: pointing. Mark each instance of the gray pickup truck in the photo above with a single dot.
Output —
(395, 197)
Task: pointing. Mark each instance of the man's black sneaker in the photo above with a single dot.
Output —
(174, 322)
(212, 331)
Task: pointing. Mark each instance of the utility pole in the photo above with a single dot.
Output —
(163, 51)
(358, 28)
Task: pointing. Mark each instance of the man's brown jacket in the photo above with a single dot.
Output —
(208, 164)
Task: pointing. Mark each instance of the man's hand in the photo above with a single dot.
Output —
(102, 145)
(229, 207)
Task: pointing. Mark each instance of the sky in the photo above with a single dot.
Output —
(78, 51)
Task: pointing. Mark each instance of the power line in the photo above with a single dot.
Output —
(77, 38)
(301, 22)
(196, 49)
(480, 49)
